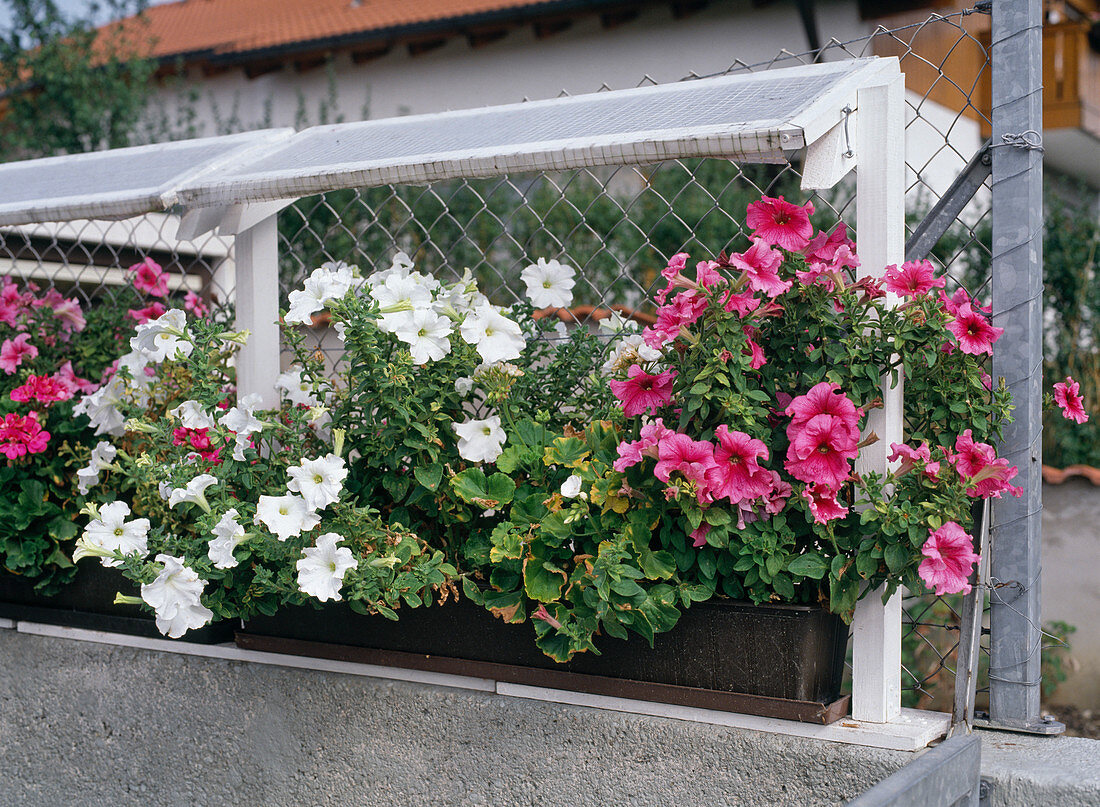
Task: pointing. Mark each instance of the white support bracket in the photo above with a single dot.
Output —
(879, 136)
(257, 305)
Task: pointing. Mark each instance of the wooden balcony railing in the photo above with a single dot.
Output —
(1071, 80)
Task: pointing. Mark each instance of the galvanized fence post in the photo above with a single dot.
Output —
(1017, 286)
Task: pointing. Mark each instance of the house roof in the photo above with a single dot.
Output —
(234, 31)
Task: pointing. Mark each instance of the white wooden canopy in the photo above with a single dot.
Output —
(845, 115)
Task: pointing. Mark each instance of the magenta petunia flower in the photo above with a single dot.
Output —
(150, 278)
(690, 458)
(13, 351)
(698, 535)
(755, 354)
(761, 263)
(642, 391)
(913, 279)
(707, 274)
(43, 389)
(949, 559)
(675, 266)
(821, 450)
(67, 376)
(1067, 394)
(744, 303)
(781, 223)
(683, 311)
(195, 304)
(823, 504)
(910, 457)
(737, 474)
(974, 332)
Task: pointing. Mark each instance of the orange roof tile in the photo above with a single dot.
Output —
(1056, 476)
(235, 27)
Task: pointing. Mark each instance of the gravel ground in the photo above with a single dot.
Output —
(1079, 722)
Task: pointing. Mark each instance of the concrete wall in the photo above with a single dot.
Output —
(107, 726)
(1071, 582)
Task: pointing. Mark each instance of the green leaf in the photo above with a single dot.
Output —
(810, 565)
(543, 581)
(627, 588)
(896, 557)
(568, 452)
(659, 565)
(490, 493)
(429, 475)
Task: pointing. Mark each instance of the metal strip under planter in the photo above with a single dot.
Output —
(775, 661)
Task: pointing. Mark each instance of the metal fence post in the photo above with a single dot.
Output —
(1017, 286)
(257, 301)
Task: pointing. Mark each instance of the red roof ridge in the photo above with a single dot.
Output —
(1056, 476)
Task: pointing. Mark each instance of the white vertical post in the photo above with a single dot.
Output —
(257, 303)
(880, 230)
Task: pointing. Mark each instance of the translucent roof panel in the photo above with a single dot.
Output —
(116, 183)
(752, 117)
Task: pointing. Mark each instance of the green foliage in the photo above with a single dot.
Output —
(70, 87)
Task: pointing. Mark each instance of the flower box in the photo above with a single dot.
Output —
(778, 661)
(88, 603)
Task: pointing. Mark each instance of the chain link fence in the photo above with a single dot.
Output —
(617, 226)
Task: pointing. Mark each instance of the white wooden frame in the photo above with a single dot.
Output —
(858, 123)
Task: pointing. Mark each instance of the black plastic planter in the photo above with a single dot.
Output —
(783, 661)
(88, 603)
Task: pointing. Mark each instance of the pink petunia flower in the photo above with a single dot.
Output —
(910, 457)
(672, 317)
(757, 359)
(744, 303)
(825, 399)
(913, 279)
(150, 312)
(823, 248)
(149, 278)
(978, 464)
(67, 376)
(960, 298)
(761, 263)
(949, 559)
(698, 535)
(707, 275)
(632, 453)
(823, 504)
(43, 389)
(781, 223)
(974, 332)
(690, 458)
(70, 314)
(1067, 394)
(821, 450)
(13, 351)
(737, 474)
(642, 391)
(195, 304)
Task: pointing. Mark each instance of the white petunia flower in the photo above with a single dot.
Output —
(496, 337)
(137, 363)
(426, 334)
(631, 349)
(616, 323)
(285, 516)
(322, 568)
(192, 416)
(101, 408)
(164, 337)
(175, 595)
(549, 284)
(319, 481)
(194, 492)
(464, 385)
(398, 296)
(571, 487)
(228, 534)
(329, 282)
(102, 456)
(298, 390)
(240, 420)
(112, 532)
(480, 440)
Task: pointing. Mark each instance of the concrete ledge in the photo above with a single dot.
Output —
(1025, 770)
(96, 724)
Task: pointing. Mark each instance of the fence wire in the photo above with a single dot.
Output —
(616, 226)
